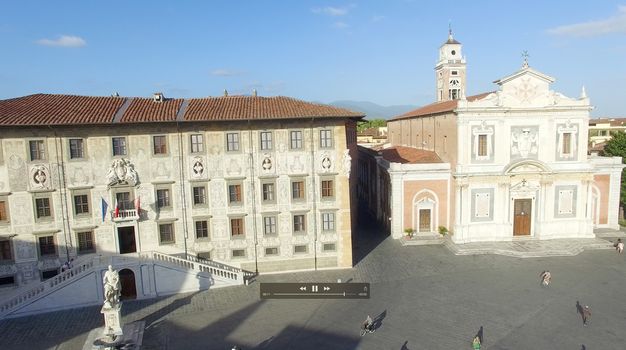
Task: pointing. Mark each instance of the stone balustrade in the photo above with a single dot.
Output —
(45, 287)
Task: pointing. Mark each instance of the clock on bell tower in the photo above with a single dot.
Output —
(450, 71)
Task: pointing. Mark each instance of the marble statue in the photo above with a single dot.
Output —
(112, 288)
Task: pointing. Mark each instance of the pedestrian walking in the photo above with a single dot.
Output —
(546, 278)
(619, 246)
(476, 343)
(586, 315)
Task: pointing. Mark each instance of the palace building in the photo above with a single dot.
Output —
(258, 183)
(497, 166)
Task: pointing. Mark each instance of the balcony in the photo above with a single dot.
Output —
(125, 215)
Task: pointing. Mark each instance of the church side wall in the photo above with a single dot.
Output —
(426, 191)
(603, 183)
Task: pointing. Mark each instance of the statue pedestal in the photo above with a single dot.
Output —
(112, 320)
(131, 339)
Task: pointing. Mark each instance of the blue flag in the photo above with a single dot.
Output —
(105, 206)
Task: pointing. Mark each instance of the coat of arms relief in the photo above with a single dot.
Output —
(122, 172)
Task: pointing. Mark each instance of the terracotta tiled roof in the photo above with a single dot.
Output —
(408, 155)
(610, 121)
(598, 147)
(437, 107)
(43, 109)
(249, 107)
(46, 109)
(146, 110)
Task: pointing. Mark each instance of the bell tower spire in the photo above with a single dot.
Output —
(450, 70)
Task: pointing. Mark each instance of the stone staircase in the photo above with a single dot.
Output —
(423, 239)
(88, 270)
(528, 248)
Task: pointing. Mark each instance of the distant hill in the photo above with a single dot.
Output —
(372, 110)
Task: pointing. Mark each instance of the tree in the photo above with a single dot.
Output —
(616, 146)
(366, 124)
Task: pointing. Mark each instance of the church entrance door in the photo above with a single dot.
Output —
(522, 216)
(126, 236)
(127, 282)
(424, 220)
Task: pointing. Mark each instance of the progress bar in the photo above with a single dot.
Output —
(315, 290)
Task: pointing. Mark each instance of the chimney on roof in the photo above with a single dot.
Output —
(254, 92)
(225, 93)
(158, 97)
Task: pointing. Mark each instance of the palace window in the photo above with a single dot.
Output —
(266, 140)
(300, 249)
(123, 201)
(159, 144)
(199, 195)
(234, 194)
(328, 189)
(5, 251)
(271, 251)
(232, 141)
(119, 146)
(37, 150)
(269, 225)
(197, 143)
(76, 149)
(202, 229)
(328, 222)
(163, 198)
(297, 190)
(236, 227)
(329, 247)
(166, 233)
(295, 139)
(238, 253)
(81, 204)
(42, 208)
(47, 247)
(268, 192)
(85, 242)
(299, 224)
(326, 138)
(4, 210)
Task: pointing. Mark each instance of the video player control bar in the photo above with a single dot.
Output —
(315, 290)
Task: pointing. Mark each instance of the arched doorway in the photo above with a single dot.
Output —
(127, 281)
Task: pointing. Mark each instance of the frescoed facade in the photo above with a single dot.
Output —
(261, 183)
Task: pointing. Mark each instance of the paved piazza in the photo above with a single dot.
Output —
(425, 297)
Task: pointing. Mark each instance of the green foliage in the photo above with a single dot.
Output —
(443, 230)
(366, 124)
(622, 222)
(409, 231)
(616, 146)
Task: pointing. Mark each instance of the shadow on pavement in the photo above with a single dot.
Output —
(369, 234)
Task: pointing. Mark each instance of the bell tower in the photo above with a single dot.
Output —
(450, 71)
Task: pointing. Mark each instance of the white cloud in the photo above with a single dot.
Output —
(332, 11)
(225, 72)
(613, 24)
(63, 41)
(341, 25)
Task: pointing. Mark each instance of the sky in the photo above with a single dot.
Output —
(378, 51)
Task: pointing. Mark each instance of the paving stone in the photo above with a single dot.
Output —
(429, 297)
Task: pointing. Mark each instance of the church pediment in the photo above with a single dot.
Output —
(527, 88)
(526, 167)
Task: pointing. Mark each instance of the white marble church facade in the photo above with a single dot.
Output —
(517, 160)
